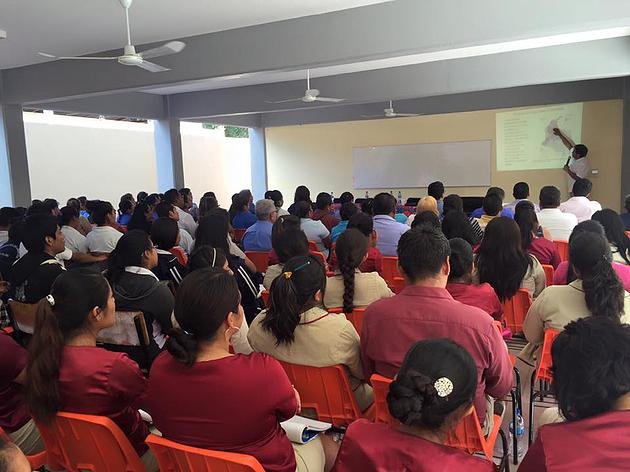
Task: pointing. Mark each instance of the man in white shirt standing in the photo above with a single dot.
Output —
(580, 203)
(186, 220)
(578, 165)
(560, 225)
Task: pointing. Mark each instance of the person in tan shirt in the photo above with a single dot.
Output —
(297, 329)
(349, 287)
(596, 292)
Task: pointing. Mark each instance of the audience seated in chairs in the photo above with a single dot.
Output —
(67, 372)
(203, 396)
(165, 236)
(297, 329)
(591, 370)
(433, 391)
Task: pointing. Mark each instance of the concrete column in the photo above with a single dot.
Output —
(15, 186)
(625, 148)
(168, 152)
(258, 162)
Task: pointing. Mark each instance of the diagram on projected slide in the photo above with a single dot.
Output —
(525, 138)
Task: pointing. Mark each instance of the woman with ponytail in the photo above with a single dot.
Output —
(597, 291)
(67, 372)
(297, 328)
(533, 242)
(433, 391)
(202, 395)
(349, 287)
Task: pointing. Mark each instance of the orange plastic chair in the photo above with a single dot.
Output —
(36, 461)
(390, 270)
(563, 249)
(399, 284)
(467, 435)
(178, 252)
(548, 274)
(515, 309)
(356, 317)
(265, 297)
(238, 234)
(325, 390)
(175, 457)
(312, 246)
(86, 442)
(260, 260)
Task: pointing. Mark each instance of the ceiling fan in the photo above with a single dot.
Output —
(390, 113)
(311, 95)
(130, 57)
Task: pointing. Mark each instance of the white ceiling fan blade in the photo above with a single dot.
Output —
(172, 47)
(89, 58)
(151, 67)
(284, 101)
(406, 114)
(371, 116)
(328, 99)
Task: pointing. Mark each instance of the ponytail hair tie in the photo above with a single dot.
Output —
(287, 275)
(50, 299)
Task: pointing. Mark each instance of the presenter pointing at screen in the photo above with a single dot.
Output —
(577, 166)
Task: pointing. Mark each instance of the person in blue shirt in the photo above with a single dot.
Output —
(388, 229)
(348, 210)
(499, 192)
(258, 236)
(243, 218)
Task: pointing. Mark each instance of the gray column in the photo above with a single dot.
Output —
(168, 152)
(258, 162)
(625, 147)
(15, 186)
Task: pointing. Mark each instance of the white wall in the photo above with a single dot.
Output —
(73, 156)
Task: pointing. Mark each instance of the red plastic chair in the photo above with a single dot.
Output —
(85, 442)
(548, 274)
(36, 461)
(312, 246)
(390, 270)
(399, 284)
(515, 309)
(356, 317)
(265, 297)
(323, 259)
(238, 234)
(325, 390)
(467, 435)
(260, 260)
(563, 249)
(175, 457)
(178, 252)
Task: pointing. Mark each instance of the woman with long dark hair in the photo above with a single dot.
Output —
(287, 240)
(142, 217)
(433, 391)
(615, 233)
(543, 249)
(302, 194)
(202, 395)
(67, 372)
(502, 262)
(297, 328)
(349, 287)
(456, 224)
(597, 291)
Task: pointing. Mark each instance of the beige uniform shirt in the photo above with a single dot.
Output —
(368, 287)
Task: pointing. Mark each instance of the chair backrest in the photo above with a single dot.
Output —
(175, 457)
(398, 284)
(129, 329)
(238, 234)
(260, 260)
(85, 442)
(390, 270)
(321, 256)
(380, 385)
(23, 315)
(178, 252)
(515, 309)
(356, 317)
(563, 249)
(312, 246)
(264, 295)
(548, 274)
(543, 371)
(326, 390)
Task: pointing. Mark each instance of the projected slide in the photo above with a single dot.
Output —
(525, 139)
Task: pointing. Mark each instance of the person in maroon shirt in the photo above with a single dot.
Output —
(425, 310)
(201, 395)
(542, 248)
(460, 281)
(433, 391)
(591, 366)
(67, 372)
(322, 211)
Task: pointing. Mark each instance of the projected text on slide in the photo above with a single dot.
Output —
(525, 138)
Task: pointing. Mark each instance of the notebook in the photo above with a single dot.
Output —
(301, 430)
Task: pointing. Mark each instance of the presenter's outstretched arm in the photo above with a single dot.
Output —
(565, 139)
(573, 175)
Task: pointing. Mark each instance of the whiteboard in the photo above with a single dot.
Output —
(457, 164)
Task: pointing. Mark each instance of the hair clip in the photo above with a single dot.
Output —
(287, 275)
(50, 299)
(187, 333)
(443, 386)
(300, 267)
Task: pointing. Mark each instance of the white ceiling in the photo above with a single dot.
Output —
(77, 27)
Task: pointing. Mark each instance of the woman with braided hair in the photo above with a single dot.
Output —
(297, 328)
(349, 287)
(433, 391)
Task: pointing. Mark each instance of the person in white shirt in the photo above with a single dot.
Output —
(70, 224)
(103, 238)
(580, 203)
(560, 225)
(314, 229)
(578, 165)
(186, 220)
(167, 210)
